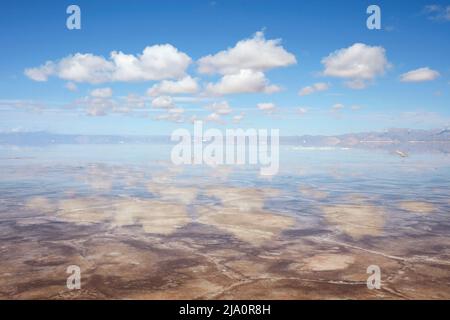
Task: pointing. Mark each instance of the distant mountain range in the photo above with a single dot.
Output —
(395, 139)
(45, 138)
(404, 140)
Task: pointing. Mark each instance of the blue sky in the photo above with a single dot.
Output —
(353, 79)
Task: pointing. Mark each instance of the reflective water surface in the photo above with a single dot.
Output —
(139, 227)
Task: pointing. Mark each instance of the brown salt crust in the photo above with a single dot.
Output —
(39, 203)
(417, 207)
(84, 210)
(168, 192)
(254, 227)
(356, 220)
(152, 215)
(328, 262)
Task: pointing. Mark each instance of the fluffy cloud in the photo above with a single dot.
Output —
(267, 107)
(184, 85)
(221, 108)
(97, 106)
(96, 111)
(358, 63)
(155, 63)
(102, 93)
(41, 73)
(419, 75)
(214, 117)
(246, 81)
(100, 103)
(174, 115)
(256, 54)
(165, 102)
(317, 87)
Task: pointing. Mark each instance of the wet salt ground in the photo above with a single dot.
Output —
(141, 228)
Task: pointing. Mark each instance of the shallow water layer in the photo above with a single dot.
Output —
(139, 227)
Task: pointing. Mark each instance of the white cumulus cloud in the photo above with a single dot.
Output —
(102, 93)
(267, 107)
(221, 108)
(358, 63)
(41, 73)
(156, 62)
(256, 54)
(165, 102)
(184, 85)
(97, 106)
(214, 117)
(419, 75)
(317, 87)
(245, 81)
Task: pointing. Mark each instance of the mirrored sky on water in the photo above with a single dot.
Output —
(325, 217)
